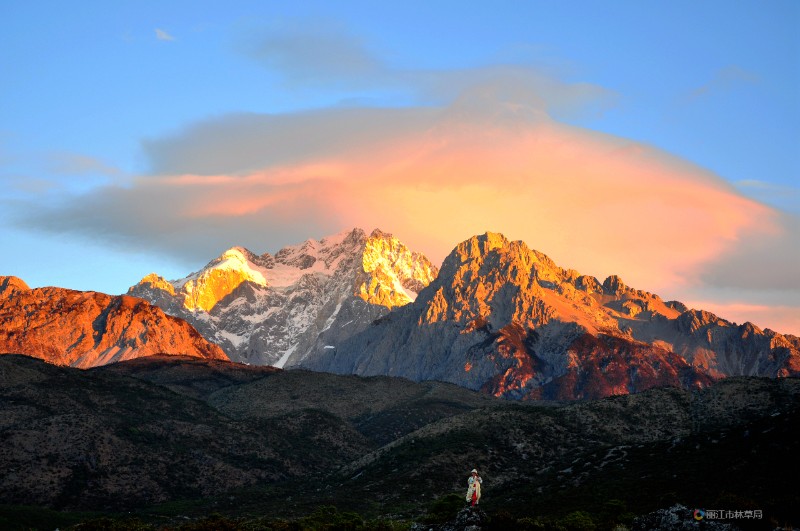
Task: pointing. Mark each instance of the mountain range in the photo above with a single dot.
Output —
(499, 317)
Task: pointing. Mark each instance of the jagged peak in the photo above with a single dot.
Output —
(392, 274)
(156, 281)
(204, 288)
(240, 253)
(475, 248)
(240, 257)
(379, 241)
(491, 252)
(356, 234)
(692, 320)
(748, 328)
(613, 285)
(702, 315)
(88, 328)
(378, 233)
(307, 253)
(479, 247)
(10, 284)
(588, 284)
(677, 306)
(486, 242)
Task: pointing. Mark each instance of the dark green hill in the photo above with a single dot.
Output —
(170, 436)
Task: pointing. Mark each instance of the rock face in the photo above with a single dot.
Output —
(274, 310)
(506, 319)
(87, 329)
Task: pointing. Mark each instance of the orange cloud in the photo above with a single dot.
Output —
(596, 203)
(591, 202)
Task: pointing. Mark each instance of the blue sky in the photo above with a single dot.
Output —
(713, 82)
(97, 95)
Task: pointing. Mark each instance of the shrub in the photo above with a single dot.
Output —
(107, 524)
(328, 518)
(444, 509)
(215, 522)
(578, 521)
(530, 524)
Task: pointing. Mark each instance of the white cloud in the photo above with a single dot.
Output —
(722, 80)
(77, 164)
(314, 55)
(313, 52)
(163, 35)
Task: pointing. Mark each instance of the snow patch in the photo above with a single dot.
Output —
(332, 318)
(256, 318)
(281, 362)
(237, 340)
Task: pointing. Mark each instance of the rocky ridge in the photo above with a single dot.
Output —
(273, 310)
(506, 319)
(87, 329)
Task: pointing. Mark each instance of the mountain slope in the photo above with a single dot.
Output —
(87, 329)
(162, 428)
(506, 319)
(136, 433)
(273, 310)
(732, 441)
(105, 440)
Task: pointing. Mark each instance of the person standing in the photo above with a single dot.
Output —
(474, 488)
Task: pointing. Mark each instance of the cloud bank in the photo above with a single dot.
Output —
(491, 155)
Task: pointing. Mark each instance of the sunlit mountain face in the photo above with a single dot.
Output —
(88, 329)
(499, 317)
(507, 320)
(274, 310)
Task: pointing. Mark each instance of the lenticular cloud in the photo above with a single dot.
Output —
(435, 176)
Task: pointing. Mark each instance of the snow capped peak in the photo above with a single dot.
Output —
(319, 257)
(349, 239)
(235, 253)
(330, 286)
(353, 235)
(240, 259)
(236, 259)
(203, 289)
(392, 273)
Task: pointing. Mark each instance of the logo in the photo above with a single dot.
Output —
(699, 514)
